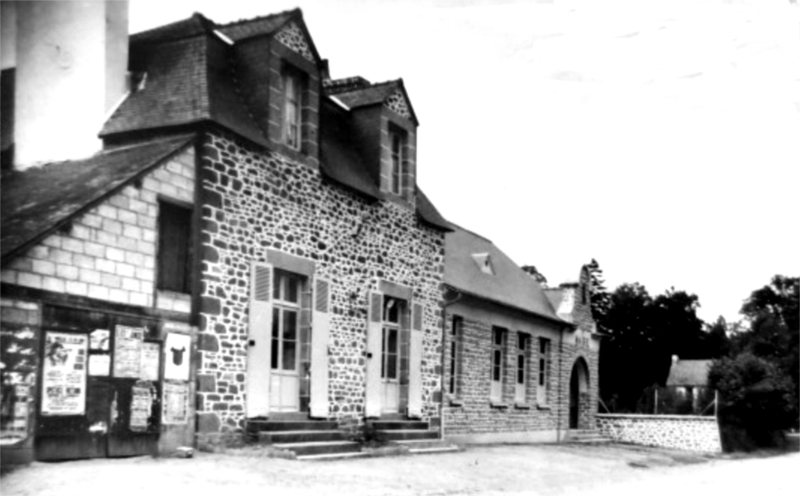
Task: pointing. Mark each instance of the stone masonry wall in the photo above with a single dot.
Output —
(685, 432)
(109, 253)
(470, 410)
(255, 200)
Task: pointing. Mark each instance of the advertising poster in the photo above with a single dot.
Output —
(128, 351)
(143, 393)
(148, 369)
(176, 397)
(177, 351)
(99, 339)
(99, 365)
(64, 374)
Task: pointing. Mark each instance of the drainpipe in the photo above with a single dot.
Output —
(445, 304)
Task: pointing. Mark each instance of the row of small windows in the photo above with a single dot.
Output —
(498, 370)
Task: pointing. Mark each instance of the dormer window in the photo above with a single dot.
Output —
(397, 139)
(292, 108)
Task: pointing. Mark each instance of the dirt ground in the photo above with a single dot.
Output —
(532, 469)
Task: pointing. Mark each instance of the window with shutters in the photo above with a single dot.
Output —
(543, 390)
(174, 248)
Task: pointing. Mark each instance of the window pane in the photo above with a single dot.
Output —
(277, 282)
(522, 341)
(289, 355)
(292, 289)
(391, 367)
(275, 338)
(521, 369)
(174, 227)
(498, 337)
(392, 341)
(289, 325)
(541, 372)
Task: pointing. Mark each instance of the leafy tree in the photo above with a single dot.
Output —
(540, 278)
(755, 401)
(773, 313)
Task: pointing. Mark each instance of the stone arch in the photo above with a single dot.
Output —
(579, 402)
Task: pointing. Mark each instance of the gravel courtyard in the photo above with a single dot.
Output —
(539, 469)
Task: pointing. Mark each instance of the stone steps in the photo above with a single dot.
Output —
(406, 434)
(310, 448)
(586, 436)
(279, 436)
(428, 446)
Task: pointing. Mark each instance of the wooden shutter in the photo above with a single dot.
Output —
(415, 363)
(320, 330)
(374, 336)
(259, 340)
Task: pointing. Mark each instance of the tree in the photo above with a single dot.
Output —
(773, 313)
(538, 276)
(755, 401)
(717, 342)
(600, 298)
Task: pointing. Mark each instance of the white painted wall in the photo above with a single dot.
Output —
(71, 60)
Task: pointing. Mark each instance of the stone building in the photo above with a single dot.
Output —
(248, 245)
(520, 363)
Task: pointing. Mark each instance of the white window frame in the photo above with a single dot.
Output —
(456, 337)
(397, 159)
(545, 359)
(282, 307)
(292, 108)
(497, 364)
(523, 355)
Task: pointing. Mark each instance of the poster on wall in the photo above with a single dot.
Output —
(143, 393)
(64, 374)
(99, 365)
(128, 351)
(148, 368)
(98, 340)
(176, 398)
(177, 352)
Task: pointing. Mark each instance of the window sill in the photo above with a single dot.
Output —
(498, 404)
(456, 402)
(522, 406)
(542, 407)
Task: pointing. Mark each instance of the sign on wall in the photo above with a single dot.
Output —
(64, 374)
(176, 403)
(143, 394)
(128, 351)
(148, 365)
(177, 351)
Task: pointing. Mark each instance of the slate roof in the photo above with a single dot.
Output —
(186, 83)
(689, 373)
(257, 26)
(373, 94)
(509, 286)
(39, 200)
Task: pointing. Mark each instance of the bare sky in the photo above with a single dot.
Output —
(661, 137)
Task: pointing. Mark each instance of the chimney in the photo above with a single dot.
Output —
(71, 65)
(674, 359)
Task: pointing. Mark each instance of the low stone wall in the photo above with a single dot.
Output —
(685, 432)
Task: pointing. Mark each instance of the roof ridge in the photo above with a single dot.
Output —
(458, 227)
(260, 18)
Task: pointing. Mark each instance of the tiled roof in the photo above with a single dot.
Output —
(247, 28)
(39, 200)
(427, 211)
(509, 285)
(689, 373)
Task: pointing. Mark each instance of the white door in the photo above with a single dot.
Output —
(285, 356)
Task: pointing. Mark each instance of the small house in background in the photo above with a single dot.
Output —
(689, 379)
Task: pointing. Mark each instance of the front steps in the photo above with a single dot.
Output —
(585, 436)
(322, 440)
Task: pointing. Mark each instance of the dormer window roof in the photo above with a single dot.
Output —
(355, 92)
(484, 262)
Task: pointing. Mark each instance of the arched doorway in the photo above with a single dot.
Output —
(578, 393)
